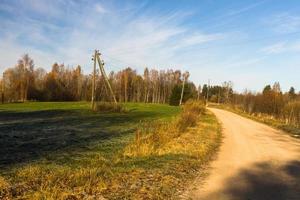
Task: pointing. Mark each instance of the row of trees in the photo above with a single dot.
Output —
(271, 101)
(218, 93)
(25, 82)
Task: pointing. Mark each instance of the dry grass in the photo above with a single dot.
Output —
(110, 107)
(151, 139)
(186, 152)
(55, 182)
(291, 113)
(101, 168)
(288, 124)
(4, 189)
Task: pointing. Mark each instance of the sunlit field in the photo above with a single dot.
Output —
(65, 150)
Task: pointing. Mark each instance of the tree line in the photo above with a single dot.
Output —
(271, 101)
(25, 82)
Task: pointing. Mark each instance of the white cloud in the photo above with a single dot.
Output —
(10, 53)
(284, 23)
(274, 48)
(100, 9)
(124, 38)
(138, 41)
(199, 38)
(244, 9)
(281, 47)
(42, 7)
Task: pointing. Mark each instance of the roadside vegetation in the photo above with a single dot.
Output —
(67, 151)
(277, 108)
(152, 138)
(263, 118)
(271, 106)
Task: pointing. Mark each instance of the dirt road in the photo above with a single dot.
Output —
(255, 162)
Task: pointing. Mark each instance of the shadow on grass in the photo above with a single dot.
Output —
(263, 181)
(26, 136)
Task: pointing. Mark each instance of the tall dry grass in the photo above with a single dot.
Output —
(291, 113)
(4, 189)
(55, 182)
(150, 138)
(110, 107)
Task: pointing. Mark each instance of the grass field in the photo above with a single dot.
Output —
(65, 151)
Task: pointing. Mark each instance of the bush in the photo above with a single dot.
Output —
(186, 120)
(190, 114)
(110, 107)
(197, 107)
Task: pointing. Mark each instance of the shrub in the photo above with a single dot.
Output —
(185, 120)
(110, 107)
(190, 114)
(197, 107)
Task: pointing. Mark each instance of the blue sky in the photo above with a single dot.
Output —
(252, 43)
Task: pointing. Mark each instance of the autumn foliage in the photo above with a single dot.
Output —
(25, 82)
(271, 102)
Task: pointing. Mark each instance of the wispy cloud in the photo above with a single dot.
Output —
(100, 9)
(284, 23)
(161, 34)
(274, 48)
(123, 37)
(281, 47)
(244, 9)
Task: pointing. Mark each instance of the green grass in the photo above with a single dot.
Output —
(63, 150)
(275, 123)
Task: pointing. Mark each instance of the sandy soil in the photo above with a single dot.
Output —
(255, 162)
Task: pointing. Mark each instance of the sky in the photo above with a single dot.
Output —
(251, 43)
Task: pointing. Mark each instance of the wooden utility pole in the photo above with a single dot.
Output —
(27, 82)
(199, 91)
(3, 88)
(185, 76)
(219, 94)
(94, 81)
(105, 76)
(207, 92)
